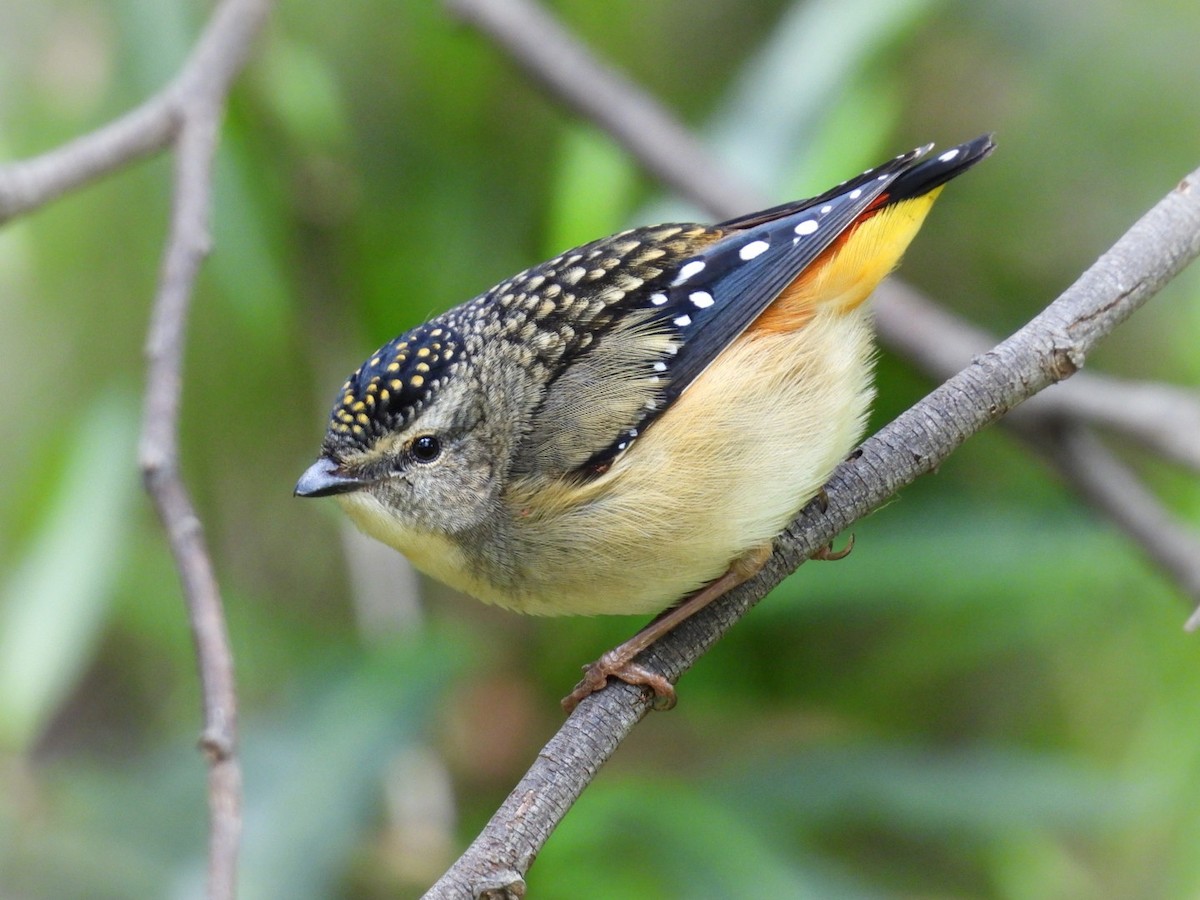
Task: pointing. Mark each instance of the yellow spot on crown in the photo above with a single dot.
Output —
(416, 381)
(358, 407)
(363, 419)
(422, 367)
(397, 384)
(384, 396)
(423, 352)
(394, 367)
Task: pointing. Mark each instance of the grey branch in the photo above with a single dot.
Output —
(219, 54)
(1160, 417)
(186, 116)
(199, 95)
(1048, 349)
(932, 338)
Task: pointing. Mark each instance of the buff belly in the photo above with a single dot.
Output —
(720, 474)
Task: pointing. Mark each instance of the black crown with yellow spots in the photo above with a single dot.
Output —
(394, 384)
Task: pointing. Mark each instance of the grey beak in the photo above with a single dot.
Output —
(321, 479)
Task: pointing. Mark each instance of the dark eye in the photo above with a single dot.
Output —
(426, 448)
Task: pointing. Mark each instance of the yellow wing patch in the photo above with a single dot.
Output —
(845, 274)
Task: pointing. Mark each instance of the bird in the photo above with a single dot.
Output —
(627, 427)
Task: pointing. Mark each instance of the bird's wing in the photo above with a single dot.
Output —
(652, 342)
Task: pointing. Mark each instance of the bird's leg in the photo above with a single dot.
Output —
(618, 662)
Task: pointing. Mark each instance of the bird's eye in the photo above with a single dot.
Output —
(426, 448)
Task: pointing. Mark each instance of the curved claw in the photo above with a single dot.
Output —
(828, 554)
(596, 675)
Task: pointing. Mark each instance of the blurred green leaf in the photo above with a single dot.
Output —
(303, 90)
(955, 794)
(817, 50)
(315, 775)
(666, 838)
(53, 605)
(591, 191)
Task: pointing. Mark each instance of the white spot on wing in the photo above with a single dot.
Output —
(660, 367)
(753, 249)
(702, 299)
(948, 155)
(695, 267)
(658, 299)
(855, 194)
(826, 209)
(808, 226)
(683, 321)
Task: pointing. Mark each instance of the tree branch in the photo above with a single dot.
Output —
(932, 338)
(1048, 349)
(185, 115)
(219, 55)
(1160, 417)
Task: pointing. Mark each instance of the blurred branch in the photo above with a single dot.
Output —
(1162, 418)
(553, 56)
(930, 337)
(1050, 348)
(1108, 485)
(186, 115)
(220, 53)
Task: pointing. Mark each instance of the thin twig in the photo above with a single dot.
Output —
(220, 53)
(200, 93)
(1048, 349)
(933, 338)
(158, 453)
(185, 115)
(142, 132)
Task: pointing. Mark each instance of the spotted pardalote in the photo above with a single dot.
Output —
(630, 423)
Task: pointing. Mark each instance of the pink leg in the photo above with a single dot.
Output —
(618, 662)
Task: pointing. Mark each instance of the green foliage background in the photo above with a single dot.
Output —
(992, 697)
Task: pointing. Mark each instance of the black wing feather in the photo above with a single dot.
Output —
(708, 299)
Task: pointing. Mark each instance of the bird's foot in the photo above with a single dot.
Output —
(828, 554)
(616, 664)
